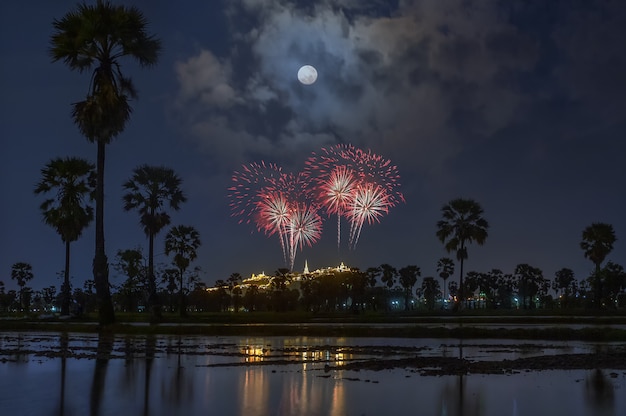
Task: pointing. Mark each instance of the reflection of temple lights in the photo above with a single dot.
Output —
(254, 354)
(335, 357)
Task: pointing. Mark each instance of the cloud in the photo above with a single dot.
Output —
(418, 81)
(205, 80)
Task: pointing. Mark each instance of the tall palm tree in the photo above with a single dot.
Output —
(69, 180)
(95, 38)
(150, 190)
(598, 240)
(22, 272)
(408, 278)
(445, 268)
(183, 241)
(461, 225)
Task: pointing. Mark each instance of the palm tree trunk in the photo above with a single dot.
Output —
(598, 288)
(181, 296)
(461, 291)
(106, 315)
(153, 300)
(65, 288)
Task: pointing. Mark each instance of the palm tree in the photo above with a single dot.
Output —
(22, 272)
(445, 268)
(598, 240)
(70, 180)
(408, 278)
(388, 274)
(183, 241)
(529, 280)
(150, 189)
(462, 224)
(95, 38)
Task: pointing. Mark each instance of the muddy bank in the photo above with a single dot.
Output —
(456, 366)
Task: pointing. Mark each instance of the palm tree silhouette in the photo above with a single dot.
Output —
(445, 268)
(182, 241)
(598, 240)
(462, 224)
(150, 189)
(95, 38)
(70, 180)
(22, 272)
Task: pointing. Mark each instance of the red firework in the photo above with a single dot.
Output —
(278, 203)
(249, 184)
(370, 203)
(342, 180)
(339, 172)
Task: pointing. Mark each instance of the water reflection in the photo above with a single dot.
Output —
(150, 347)
(165, 375)
(181, 385)
(63, 347)
(455, 400)
(103, 353)
(599, 393)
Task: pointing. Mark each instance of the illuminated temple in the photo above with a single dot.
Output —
(262, 281)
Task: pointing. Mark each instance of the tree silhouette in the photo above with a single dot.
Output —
(70, 180)
(408, 278)
(461, 225)
(96, 38)
(445, 268)
(182, 241)
(597, 243)
(151, 190)
(22, 273)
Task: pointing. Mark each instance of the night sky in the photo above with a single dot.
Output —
(518, 105)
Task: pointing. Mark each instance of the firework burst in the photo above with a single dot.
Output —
(250, 183)
(278, 203)
(341, 174)
(370, 203)
(341, 180)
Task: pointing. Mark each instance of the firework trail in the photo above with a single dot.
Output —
(250, 182)
(304, 226)
(277, 203)
(377, 191)
(371, 201)
(272, 216)
(341, 180)
(252, 199)
(356, 184)
(333, 175)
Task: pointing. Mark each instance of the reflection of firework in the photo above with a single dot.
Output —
(343, 180)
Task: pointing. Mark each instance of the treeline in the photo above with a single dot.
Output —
(379, 289)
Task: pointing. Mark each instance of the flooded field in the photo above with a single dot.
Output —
(90, 374)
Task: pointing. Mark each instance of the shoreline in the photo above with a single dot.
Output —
(601, 329)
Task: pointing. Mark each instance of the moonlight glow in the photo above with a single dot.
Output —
(307, 75)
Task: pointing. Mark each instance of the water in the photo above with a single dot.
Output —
(86, 374)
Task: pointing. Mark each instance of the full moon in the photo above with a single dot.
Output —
(307, 75)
